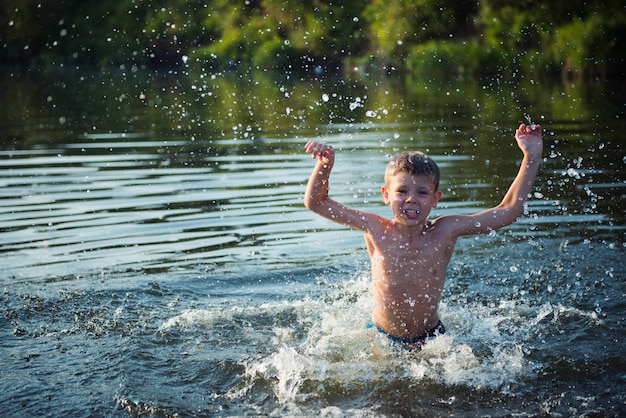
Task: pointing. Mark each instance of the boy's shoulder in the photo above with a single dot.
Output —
(446, 222)
(376, 222)
(456, 225)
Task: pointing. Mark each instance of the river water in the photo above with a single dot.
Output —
(157, 258)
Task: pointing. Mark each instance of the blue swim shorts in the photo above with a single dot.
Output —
(413, 341)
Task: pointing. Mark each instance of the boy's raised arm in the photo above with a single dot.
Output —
(529, 139)
(316, 196)
(317, 187)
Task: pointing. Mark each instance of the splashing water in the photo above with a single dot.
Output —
(527, 116)
(334, 350)
(533, 126)
(356, 103)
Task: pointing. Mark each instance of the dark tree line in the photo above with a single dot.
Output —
(575, 38)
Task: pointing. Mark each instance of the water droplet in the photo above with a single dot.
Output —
(477, 224)
(325, 97)
(527, 116)
(356, 103)
(513, 268)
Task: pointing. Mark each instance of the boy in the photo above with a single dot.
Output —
(410, 253)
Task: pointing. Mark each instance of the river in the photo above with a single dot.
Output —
(158, 258)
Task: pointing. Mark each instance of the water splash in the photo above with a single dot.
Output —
(358, 102)
(332, 349)
(533, 126)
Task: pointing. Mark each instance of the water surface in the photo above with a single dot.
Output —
(157, 257)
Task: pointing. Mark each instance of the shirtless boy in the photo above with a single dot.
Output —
(410, 253)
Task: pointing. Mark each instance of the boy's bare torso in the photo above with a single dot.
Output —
(408, 272)
(410, 253)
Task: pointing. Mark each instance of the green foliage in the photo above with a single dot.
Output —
(575, 40)
(466, 58)
(169, 28)
(589, 47)
(397, 25)
(318, 28)
(275, 54)
(281, 34)
(508, 29)
(539, 37)
(28, 28)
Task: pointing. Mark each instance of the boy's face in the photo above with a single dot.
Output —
(410, 197)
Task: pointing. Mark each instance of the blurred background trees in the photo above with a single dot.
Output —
(570, 39)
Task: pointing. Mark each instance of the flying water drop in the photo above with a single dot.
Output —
(533, 126)
(356, 103)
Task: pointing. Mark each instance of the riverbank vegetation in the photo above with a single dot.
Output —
(540, 38)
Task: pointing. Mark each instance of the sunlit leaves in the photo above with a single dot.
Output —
(537, 37)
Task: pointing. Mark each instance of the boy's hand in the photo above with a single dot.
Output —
(321, 150)
(529, 139)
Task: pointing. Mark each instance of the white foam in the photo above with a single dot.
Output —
(458, 364)
(188, 318)
(338, 350)
(327, 345)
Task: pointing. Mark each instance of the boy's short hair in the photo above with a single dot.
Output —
(415, 163)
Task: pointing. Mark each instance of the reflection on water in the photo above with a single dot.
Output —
(157, 254)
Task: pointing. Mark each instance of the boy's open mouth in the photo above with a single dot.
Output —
(411, 212)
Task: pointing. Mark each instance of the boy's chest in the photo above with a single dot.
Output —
(426, 250)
